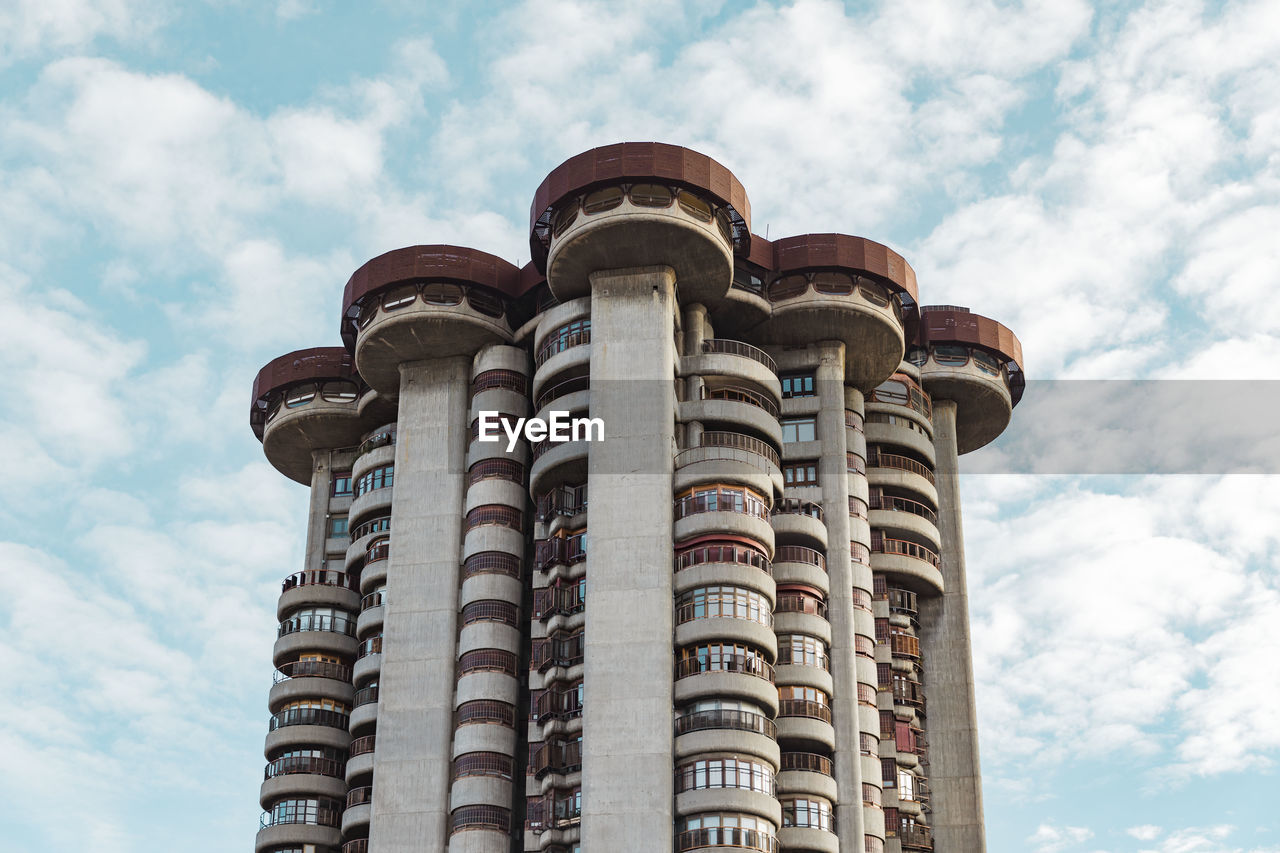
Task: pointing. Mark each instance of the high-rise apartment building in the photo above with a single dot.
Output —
(738, 620)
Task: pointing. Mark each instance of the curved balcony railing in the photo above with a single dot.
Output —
(575, 334)
(485, 711)
(487, 660)
(308, 813)
(507, 380)
(810, 762)
(318, 577)
(734, 663)
(726, 836)
(902, 601)
(798, 602)
(482, 764)
(804, 708)
(902, 463)
(309, 717)
(362, 745)
(481, 817)
(741, 395)
(738, 441)
(903, 548)
(905, 646)
(332, 624)
(373, 599)
(795, 506)
(915, 837)
(728, 347)
(359, 845)
(726, 718)
(297, 764)
(800, 554)
(366, 695)
(312, 669)
(890, 502)
(562, 389)
(360, 796)
(378, 551)
(371, 646)
(381, 438)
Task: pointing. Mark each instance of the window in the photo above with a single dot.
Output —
(799, 429)
(812, 813)
(801, 650)
(796, 385)
(723, 657)
(724, 601)
(721, 499)
(340, 484)
(337, 525)
(378, 478)
(721, 552)
(300, 395)
(725, 773)
(441, 293)
(801, 473)
(917, 356)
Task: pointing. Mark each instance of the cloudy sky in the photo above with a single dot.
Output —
(185, 188)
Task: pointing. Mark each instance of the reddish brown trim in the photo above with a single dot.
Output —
(654, 161)
(453, 263)
(317, 363)
(761, 252)
(845, 252)
(955, 325)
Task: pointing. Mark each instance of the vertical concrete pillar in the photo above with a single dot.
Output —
(413, 762)
(829, 381)
(318, 517)
(954, 774)
(627, 770)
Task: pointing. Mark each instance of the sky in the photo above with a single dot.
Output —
(186, 187)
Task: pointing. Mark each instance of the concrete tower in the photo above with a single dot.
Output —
(713, 628)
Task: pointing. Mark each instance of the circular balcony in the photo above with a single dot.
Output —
(804, 722)
(742, 801)
(797, 564)
(716, 838)
(799, 522)
(804, 676)
(299, 835)
(744, 676)
(640, 204)
(744, 575)
(900, 473)
(734, 409)
(335, 637)
(737, 362)
(729, 457)
(316, 588)
(309, 735)
(299, 785)
(902, 431)
(691, 630)
(726, 731)
(424, 302)
(908, 564)
(975, 362)
(839, 287)
(895, 516)
(809, 839)
(806, 773)
(302, 402)
(310, 678)
(355, 818)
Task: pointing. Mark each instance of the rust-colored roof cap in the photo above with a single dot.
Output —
(456, 263)
(842, 251)
(317, 363)
(761, 252)
(655, 161)
(951, 324)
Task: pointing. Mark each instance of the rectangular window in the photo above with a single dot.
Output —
(338, 526)
(799, 429)
(796, 385)
(341, 484)
(801, 473)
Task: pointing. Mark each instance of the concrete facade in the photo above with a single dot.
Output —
(739, 621)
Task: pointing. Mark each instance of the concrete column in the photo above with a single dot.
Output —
(318, 512)
(413, 764)
(954, 774)
(829, 381)
(627, 770)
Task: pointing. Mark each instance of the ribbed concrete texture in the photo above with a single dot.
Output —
(948, 666)
(415, 709)
(627, 783)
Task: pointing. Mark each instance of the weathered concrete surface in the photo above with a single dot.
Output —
(954, 773)
(412, 765)
(627, 768)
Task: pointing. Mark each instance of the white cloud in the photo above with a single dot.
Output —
(33, 27)
(1051, 839)
(1145, 832)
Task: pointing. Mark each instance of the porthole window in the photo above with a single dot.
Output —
(651, 195)
(837, 283)
(275, 408)
(952, 356)
(787, 287)
(398, 297)
(874, 293)
(300, 395)
(565, 217)
(338, 392)
(892, 391)
(368, 310)
(986, 362)
(694, 206)
(602, 200)
(441, 293)
(485, 302)
(726, 227)
(917, 356)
